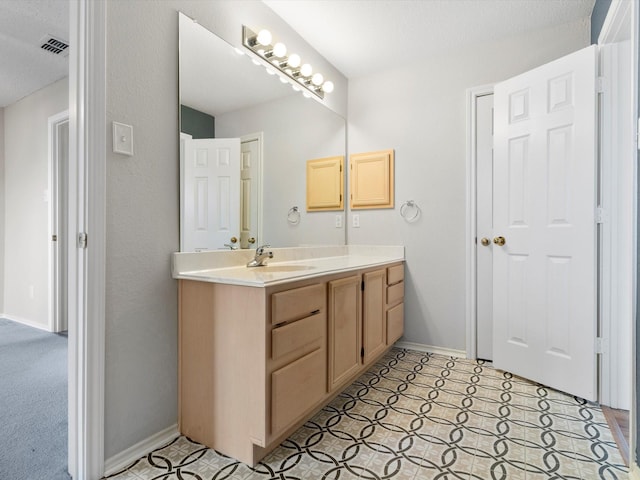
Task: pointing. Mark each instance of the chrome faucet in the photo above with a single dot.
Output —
(261, 256)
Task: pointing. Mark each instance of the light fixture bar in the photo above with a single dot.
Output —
(274, 54)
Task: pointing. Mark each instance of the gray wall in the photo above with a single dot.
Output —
(142, 221)
(637, 344)
(2, 229)
(295, 130)
(600, 10)
(26, 216)
(196, 123)
(420, 112)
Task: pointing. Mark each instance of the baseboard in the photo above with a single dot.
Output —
(139, 450)
(28, 323)
(634, 471)
(420, 347)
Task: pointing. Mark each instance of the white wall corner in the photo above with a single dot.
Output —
(420, 347)
(123, 459)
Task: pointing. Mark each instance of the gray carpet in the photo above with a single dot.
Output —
(33, 403)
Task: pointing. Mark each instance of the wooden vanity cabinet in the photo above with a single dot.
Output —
(298, 357)
(345, 330)
(395, 303)
(256, 362)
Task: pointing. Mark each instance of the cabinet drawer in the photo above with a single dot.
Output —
(395, 274)
(297, 303)
(395, 293)
(296, 388)
(395, 323)
(302, 336)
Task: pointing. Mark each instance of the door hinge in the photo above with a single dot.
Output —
(362, 352)
(601, 215)
(54, 238)
(82, 240)
(601, 345)
(601, 84)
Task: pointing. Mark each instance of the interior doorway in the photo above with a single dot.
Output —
(58, 220)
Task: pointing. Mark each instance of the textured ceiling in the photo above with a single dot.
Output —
(361, 37)
(358, 36)
(24, 66)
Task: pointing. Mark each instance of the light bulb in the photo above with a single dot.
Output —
(317, 79)
(306, 70)
(294, 60)
(264, 37)
(279, 50)
(328, 86)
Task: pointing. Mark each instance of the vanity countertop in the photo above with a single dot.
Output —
(287, 264)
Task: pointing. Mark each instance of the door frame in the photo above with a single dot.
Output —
(471, 217)
(615, 238)
(56, 256)
(86, 263)
(259, 137)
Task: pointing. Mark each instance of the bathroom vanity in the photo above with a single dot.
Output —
(262, 349)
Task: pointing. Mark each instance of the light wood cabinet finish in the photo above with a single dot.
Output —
(256, 362)
(325, 184)
(372, 183)
(344, 329)
(374, 335)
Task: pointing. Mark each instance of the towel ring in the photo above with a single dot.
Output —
(408, 207)
(293, 216)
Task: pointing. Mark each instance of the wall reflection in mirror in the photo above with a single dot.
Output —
(244, 142)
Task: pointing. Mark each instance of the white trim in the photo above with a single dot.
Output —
(123, 459)
(618, 199)
(471, 216)
(24, 321)
(634, 471)
(420, 347)
(614, 21)
(87, 200)
(54, 121)
(259, 136)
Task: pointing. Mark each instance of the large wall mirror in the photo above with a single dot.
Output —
(245, 138)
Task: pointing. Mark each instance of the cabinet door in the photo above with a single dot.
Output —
(374, 336)
(296, 388)
(344, 329)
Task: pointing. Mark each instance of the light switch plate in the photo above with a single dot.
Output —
(355, 221)
(122, 138)
(338, 221)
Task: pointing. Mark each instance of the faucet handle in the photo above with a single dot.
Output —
(261, 248)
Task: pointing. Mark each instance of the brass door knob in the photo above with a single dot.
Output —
(485, 241)
(234, 240)
(252, 240)
(500, 241)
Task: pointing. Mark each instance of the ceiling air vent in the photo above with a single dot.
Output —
(54, 45)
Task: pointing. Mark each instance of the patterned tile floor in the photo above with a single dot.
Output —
(421, 416)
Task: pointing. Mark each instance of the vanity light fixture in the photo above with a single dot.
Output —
(298, 73)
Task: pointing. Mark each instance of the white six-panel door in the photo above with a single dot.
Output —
(544, 207)
(211, 193)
